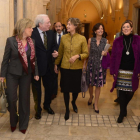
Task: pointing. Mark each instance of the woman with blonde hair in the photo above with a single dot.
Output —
(18, 64)
(72, 51)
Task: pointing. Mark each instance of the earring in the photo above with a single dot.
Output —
(122, 33)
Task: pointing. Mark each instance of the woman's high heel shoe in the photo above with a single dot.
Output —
(75, 109)
(120, 119)
(139, 127)
(97, 111)
(89, 103)
(13, 128)
(66, 117)
(23, 131)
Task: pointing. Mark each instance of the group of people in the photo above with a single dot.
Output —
(35, 55)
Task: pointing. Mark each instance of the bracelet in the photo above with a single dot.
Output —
(79, 57)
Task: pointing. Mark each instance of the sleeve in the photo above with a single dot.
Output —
(54, 44)
(84, 53)
(6, 58)
(36, 66)
(60, 52)
(113, 58)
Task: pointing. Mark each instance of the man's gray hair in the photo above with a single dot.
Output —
(40, 19)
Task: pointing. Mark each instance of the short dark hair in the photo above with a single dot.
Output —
(96, 27)
(131, 25)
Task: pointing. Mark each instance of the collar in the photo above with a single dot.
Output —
(73, 35)
(60, 34)
(94, 39)
(40, 31)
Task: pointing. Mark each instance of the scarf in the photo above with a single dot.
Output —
(23, 55)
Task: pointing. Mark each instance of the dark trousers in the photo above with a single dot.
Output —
(55, 84)
(67, 98)
(36, 88)
(125, 98)
(13, 81)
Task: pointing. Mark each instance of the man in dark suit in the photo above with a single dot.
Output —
(45, 50)
(58, 35)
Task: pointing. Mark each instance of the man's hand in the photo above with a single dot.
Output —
(36, 78)
(55, 54)
(55, 69)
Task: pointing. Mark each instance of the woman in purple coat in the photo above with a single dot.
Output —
(125, 66)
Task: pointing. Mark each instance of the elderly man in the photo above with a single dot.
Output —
(45, 50)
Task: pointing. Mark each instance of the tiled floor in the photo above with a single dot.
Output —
(85, 125)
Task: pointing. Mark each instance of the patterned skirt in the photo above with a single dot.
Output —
(124, 80)
(102, 77)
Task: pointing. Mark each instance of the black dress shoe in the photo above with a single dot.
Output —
(75, 109)
(120, 119)
(49, 110)
(66, 117)
(38, 116)
(139, 127)
(117, 100)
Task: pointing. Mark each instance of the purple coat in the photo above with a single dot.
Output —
(116, 55)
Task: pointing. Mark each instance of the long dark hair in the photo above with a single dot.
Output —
(96, 27)
(131, 25)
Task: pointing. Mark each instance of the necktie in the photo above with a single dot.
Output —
(59, 39)
(45, 40)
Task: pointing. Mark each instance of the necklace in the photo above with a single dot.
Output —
(127, 49)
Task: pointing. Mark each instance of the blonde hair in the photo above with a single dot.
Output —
(76, 22)
(21, 25)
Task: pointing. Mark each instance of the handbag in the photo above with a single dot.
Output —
(84, 86)
(3, 99)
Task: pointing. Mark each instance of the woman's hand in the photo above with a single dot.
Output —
(36, 78)
(73, 58)
(2, 79)
(55, 69)
(104, 53)
(55, 54)
(139, 75)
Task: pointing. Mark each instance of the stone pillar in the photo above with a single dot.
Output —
(45, 2)
(126, 8)
(4, 25)
(11, 26)
(19, 9)
(28, 9)
(52, 11)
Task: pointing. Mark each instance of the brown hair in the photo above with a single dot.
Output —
(131, 25)
(21, 25)
(76, 22)
(96, 27)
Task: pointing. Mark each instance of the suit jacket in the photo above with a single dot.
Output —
(116, 55)
(57, 45)
(11, 62)
(44, 57)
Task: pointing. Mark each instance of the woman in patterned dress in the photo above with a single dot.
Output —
(96, 75)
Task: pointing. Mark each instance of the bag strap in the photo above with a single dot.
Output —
(3, 87)
(83, 94)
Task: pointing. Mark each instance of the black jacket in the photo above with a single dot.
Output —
(44, 57)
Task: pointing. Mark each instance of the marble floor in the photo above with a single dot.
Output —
(85, 125)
